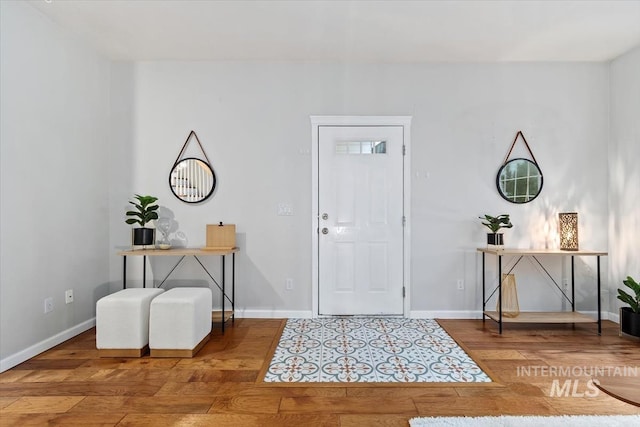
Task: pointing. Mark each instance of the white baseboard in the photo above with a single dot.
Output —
(446, 314)
(415, 314)
(308, 314)
(478, 315)
(274, 314)
(26, 354)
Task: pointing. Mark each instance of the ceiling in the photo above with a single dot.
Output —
(390, 31)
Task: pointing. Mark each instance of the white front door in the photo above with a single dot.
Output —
(360, 224)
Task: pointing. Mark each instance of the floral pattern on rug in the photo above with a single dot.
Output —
(365, 349)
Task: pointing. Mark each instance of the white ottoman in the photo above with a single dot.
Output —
(122, 322)
(180, 322)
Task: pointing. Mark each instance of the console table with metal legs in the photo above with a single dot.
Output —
(539, 317)
(223, 315)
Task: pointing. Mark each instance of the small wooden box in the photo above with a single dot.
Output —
(221, 236)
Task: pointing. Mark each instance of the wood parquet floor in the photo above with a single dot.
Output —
(70, 385)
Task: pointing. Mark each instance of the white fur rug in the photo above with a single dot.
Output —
(515, 421)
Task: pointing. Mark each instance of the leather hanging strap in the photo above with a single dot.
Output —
(525, 143)
(184, 147)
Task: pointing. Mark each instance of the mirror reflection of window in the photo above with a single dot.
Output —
(519, 181)
(361, 147)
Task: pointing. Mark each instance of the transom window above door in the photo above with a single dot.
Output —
(361, 147)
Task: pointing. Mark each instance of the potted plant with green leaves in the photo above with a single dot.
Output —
(146, 211)
(630, 316)
(495, 224)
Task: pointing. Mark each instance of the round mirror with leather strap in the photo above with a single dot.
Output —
(192, 180)
(519, 181)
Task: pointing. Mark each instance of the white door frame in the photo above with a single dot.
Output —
(405, 122)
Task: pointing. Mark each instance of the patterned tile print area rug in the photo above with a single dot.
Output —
(366, 349)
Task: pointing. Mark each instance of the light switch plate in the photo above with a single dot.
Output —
(285, 209)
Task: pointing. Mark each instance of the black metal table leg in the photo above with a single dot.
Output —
(484, 302)
(144, 271)
(124, 272)
(233, 287)
(223, 295)
(500, 292)
(573, 285)
(599, 303)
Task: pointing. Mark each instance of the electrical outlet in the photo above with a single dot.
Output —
(288, 284)
(68, 296)
(460, 284)
(48, 305)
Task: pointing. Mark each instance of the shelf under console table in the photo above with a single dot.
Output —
(539, 317)
(221, 315)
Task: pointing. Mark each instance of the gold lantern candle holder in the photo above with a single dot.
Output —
(568, 229)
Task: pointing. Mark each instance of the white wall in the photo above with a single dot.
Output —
(121, 160)
(253, 120)
(624, 172)
(67, 113)
(54, 182)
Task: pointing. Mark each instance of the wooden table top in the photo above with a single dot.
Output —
(179, 252)
(626, 389)
(517, 251)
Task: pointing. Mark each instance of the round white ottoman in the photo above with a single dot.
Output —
(180, 322)
(122, 322)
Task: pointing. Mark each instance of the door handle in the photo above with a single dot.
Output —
(325, 230)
